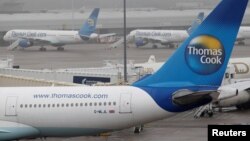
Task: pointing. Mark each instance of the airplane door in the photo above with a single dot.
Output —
(11, 105)
(125, 103)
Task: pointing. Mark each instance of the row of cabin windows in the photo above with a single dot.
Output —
(67, 105)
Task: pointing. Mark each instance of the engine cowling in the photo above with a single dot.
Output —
(140, 42)
(94, 36)
(24, 43)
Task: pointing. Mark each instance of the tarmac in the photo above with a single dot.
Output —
(92, 55)
(182, 126)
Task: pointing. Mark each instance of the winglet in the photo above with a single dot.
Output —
(89, 25)
(196, 23)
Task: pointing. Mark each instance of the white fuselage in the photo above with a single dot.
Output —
(51, 36)
(244, 33)
(76, 111)
(164, 36)
(176, 36)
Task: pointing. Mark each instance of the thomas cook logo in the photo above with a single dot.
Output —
(91, 22)
(205, 55)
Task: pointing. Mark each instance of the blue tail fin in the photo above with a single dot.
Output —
(196, 23)
(89, 25)
(203, 57)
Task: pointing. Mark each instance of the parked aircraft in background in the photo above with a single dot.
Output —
(244, 33)
(239, 66)
(55, 38)
(141, 37)
(189, 79)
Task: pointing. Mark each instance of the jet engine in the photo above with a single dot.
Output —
(140, 42)
(24, 43)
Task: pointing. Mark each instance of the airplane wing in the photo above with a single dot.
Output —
(106, 35)
(13, 130)
(234, 89)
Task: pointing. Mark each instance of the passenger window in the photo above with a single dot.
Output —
(100, 104)
(48, 105)
(81, 104)
(62, 105)
(34, 105)
(95, 104)
(67, 105)
(21, 106)
(39, 105)
(44, 105)
(104, 103)
(76, 104)
(109, 103)
(90, 104)
(26, 105)
(53, 105)
(227, 75)
(86, 104)
(72, 105)
(58, 105)
(114, 103)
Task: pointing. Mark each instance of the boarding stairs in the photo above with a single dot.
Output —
(120, 42)
(14, 45)
(202, 110)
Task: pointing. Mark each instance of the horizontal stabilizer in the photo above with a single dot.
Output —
(187, 97)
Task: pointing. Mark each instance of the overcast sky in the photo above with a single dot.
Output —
(38, 5)
(67, 4)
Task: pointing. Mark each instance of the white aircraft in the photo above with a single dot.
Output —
(244, 33)
(30, 112)
(240, 66)
(55, 38)
(141, 37)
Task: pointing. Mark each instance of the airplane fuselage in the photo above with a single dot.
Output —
(244, 33)
(175, 36)
(77, 111)
(52, 36)
(162, 36)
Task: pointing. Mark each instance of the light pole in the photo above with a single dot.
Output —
(125, 42)
(72, 16)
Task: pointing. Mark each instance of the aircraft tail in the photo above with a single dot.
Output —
(196, 23)
(203, 57)
(89, 25)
